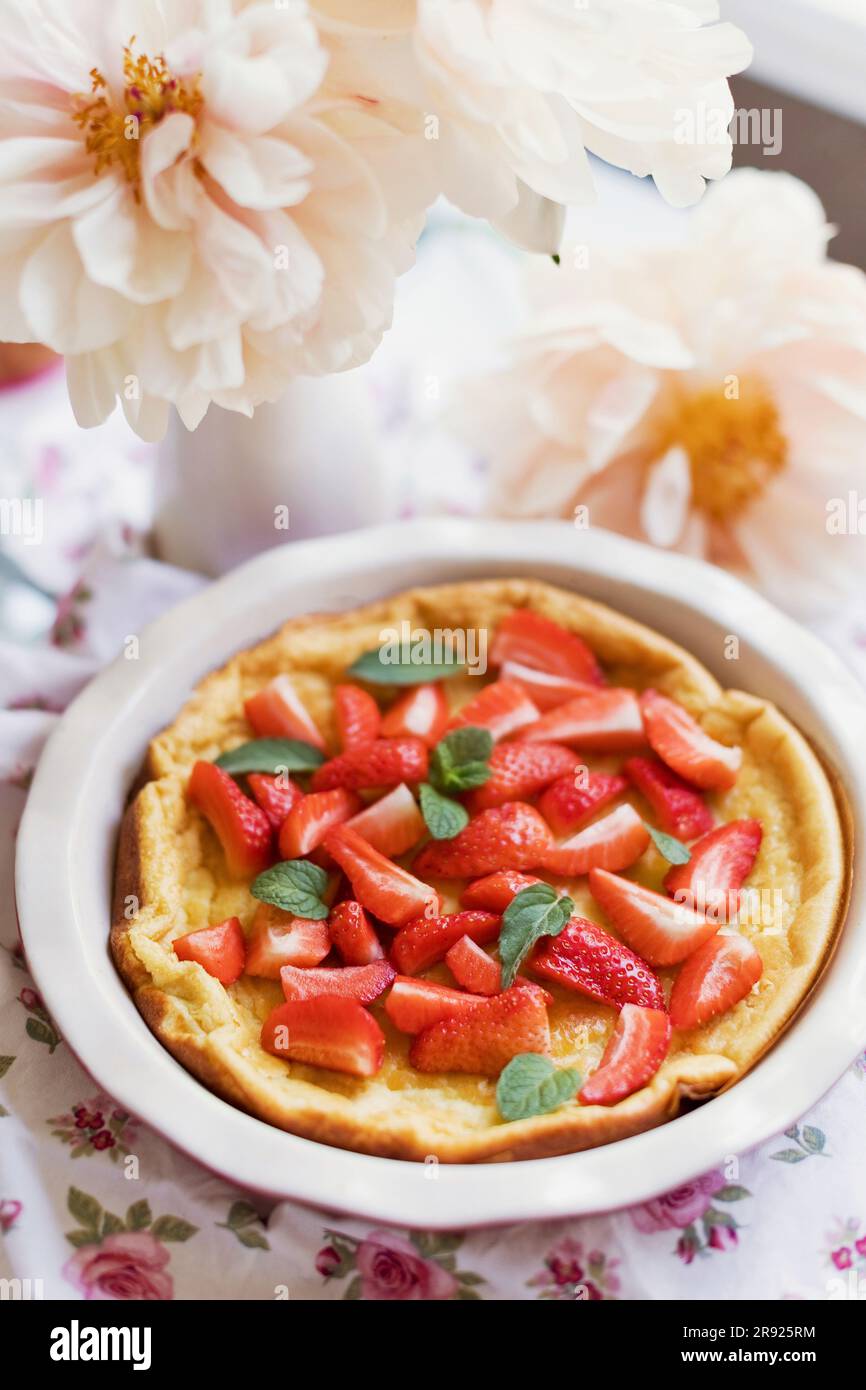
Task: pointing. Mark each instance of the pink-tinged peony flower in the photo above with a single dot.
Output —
(707, 398)
(10, 1211)
(391, 1269)
(129, 1265)
(722, 1238)
(188, 214)
(327, 1261)
(680, 1208)
(513, 93)
(842, 1258)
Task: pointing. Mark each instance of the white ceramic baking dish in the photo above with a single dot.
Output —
(67, 839)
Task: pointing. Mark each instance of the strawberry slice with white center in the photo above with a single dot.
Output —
(513, 836)
(392, 825)
(519, 770)
(495, 892)
(538, 642)
(385, 763)
(352, 934)
(278, 712)
(362, 982)
(389, 892)
(601, 721)
(715, 978)
(545, 689)
(309, 821)
(485, 1039)
(422, 943)
(414, 1005)
(588, 959)
(720, 864)
(614, 842)
(220, 950)
(472, 968)
(501, 707)
(680, 742)
(277, 939)
(241, 826)
(572, 800)
(326, 1032)
(631, 1059)
(357, 715)
(423, 713)
(275, 795)
(660, 930)
(679, 809)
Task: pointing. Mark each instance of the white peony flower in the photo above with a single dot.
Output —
(513, 93)
(187, 213)
(709, 398)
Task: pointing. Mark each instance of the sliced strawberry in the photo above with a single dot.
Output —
(241, 826)
(388, 891)
(423, 713)
(312, 817)
(275, 795)
(602, 721)
(326, 1032)
(715, 978)
(421, 943)
(362, 982)
(278, 712)
(681, 743)
(544, 689)
(501, 707)
(357, 715)
(385, 763)
(414, 1005)
(570, 801)
(531, 640)
(392, 825)
(277, 939)
(720, 864)
(506, 837)
(679, 808)
(353, 936)
(662, 931)
(221, 950)
(614, 842)
(634, 1054)
(472, 968)
(485, 1039)
(495, 892)
(587, 958)
(519, 770)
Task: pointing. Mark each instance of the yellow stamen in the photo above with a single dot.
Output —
(735, 445)
(114, 131)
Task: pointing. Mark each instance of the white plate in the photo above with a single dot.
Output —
(67, 837)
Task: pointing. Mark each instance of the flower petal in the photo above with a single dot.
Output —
(666, 497)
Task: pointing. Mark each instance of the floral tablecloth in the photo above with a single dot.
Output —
(95, 1205)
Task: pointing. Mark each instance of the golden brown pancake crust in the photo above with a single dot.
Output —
(171, 878)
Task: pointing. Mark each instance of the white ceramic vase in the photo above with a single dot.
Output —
(310, 465)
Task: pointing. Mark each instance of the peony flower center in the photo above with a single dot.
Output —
(735, 446)
(114, 129)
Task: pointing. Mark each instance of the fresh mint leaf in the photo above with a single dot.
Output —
(668, 846)
(460, 760)
(443, 817)
(532, 1085)
(294, 886)
(534, 912)
(271, 755)
(377, 668)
